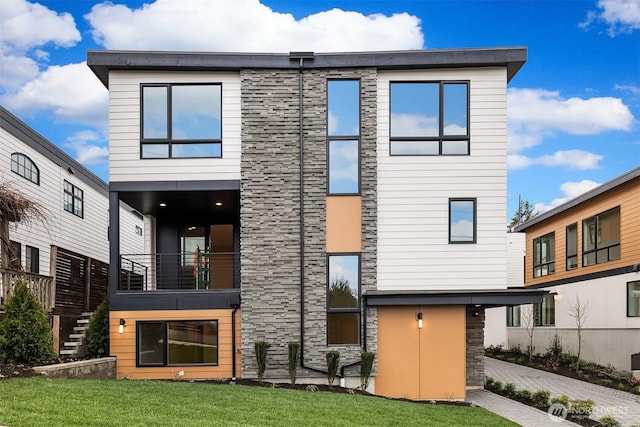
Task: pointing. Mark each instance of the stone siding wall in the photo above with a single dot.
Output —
(475, 348)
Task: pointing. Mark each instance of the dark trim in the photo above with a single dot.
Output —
(583, 277)
(566, 251)
(114, 246)
(174, 300)
(627, 289)
(622, 179)
(73, 198)
(543, 264)
(101, 62)
(596, 248)
(32, 165)
(31, 138)
(488, 298)
(346, 310)
(210, 185)
(475, 220)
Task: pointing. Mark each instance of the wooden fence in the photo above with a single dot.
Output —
(43, 287)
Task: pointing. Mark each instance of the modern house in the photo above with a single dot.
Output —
(345, 201)
(586, 253)
(64, 258)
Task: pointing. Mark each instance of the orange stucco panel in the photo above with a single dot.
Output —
(427, 363)
(344, 224)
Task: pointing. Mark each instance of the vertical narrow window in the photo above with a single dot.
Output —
(633, 299)
(429, 118)
(343, 299)
(181, 121)
(15, 255)
(343, 133)
(572, 247)
(513, 316)
(73, 199)
(601, 237)
(544, 250)
(24, 166)
(544, 314)
(462, 220)
(32, 259)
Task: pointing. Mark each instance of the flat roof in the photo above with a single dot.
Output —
(603, 188)
(485, 297)
(103, 61)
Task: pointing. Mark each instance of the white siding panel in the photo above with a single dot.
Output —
(414, 192)
(124, 130)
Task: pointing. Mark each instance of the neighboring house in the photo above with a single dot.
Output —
(587, 248)
(66, 256)
(350, 202)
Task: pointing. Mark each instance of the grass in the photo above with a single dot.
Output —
(40, 401)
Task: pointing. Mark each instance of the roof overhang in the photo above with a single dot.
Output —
(101, 62)
(485, 298)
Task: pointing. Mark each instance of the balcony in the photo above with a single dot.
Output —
(186, 271)
(41, 286)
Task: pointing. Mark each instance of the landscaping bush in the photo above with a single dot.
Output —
(517, 349)
(25, 335)
(333, 360)
(581, 408)
(98, 331)
(366, 365)
(294, 356)
(493, 385)
(609, 421)
(564, 400)
(509, 390)
(540, 399)
(261, 348)
(524, 395)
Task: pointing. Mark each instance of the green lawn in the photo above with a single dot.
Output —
(40, 401)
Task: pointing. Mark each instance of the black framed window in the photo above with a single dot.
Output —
(181, 121)
(25, 167)
(572, 247)
(633, 299)
(73, 199)
(462, 220)
(32, 259)
(513, 316)
(544, 314)
(429, 118)
(343, 299)
(601, 237)
(343, 136)
(544, 255)
(176, 343)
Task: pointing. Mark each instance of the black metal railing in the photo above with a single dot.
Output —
(179, 271)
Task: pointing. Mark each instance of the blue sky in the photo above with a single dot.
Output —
(574, 108)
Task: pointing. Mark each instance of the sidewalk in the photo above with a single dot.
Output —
(625, 407)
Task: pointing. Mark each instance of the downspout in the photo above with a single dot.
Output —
(233, 342)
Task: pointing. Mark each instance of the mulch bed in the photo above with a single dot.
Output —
(8, 371)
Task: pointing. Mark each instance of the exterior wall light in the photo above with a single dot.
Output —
(121, 327)
(420, 320)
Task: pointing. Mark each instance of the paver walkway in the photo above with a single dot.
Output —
(625, 407)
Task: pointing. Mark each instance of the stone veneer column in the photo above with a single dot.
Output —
(475, 348)
(270, 214)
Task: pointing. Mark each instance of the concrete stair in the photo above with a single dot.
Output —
(76, 346)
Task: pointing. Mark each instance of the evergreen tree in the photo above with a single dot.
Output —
(525, 212)
(98, 331)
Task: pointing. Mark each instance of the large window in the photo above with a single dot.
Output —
(633, 299)
(572, 247)
(513, 315)
(32, 258)
(462, 220)
(343, 129)
(544, 249)
(429, 118)
(544, 314)
(343, 299)
(601, 237)
(181, 121)
(24, 166)
(73, 199)
(177, 343)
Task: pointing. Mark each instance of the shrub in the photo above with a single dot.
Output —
(564, 400)
(261, 348)
(494, 386)
(509, 389)
(609, 421)
(333, 360)
(294, 356)
(581, 408)
(366, 365)
(493, 349)
(523, 395)
(555, 346)
(98, 331)
(540, 399)
(25, 335)
(516, 348)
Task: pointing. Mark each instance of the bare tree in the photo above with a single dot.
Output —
(528, 321)
(579, 310)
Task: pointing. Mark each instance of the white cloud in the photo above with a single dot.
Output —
(622, 16)
(16, 70)
(414, 125)
(71, 92)
(635, 90)
(87, 151)
(534, 114)
(247, 26)
(569, 190)
(569, 159)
